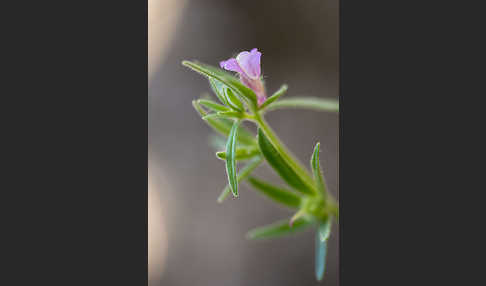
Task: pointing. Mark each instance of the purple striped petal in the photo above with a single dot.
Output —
(249, 62)
(247, 65)
(231, 65)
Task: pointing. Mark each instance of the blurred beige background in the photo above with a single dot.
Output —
(163, 16)
(191, 238)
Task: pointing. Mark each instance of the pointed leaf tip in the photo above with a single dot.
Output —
(244, 173)
(242, 153)
(275, 96)
(213, 105)
(316, 169)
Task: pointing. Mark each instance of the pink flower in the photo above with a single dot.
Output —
(247, 65)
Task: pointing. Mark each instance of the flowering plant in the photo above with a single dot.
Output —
(245, 99)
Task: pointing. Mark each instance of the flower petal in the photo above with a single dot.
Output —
(261, 100)
(231, 65)
(249, 62)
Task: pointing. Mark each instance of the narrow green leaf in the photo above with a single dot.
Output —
(313, 103)
(213, 105)
(233, 101)
(218, 89)
(230, 158)
(322, 234)
(224, 115)
(223, 126)
(316, 170)
(230, 114)
(241, 153)
(226, 96)
(280, 165)
(275, 193)
(244, 173)
(274, 97)
(224, 77)
(279, 228)
(212, 116)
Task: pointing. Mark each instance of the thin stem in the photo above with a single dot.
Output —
(295, 163)
(284, 152)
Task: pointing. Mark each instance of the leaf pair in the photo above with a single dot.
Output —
(222, 111)
(225, 95)
(223, 125)
(232, 130)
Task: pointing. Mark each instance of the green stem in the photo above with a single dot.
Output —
(284, 152)
(294, 163)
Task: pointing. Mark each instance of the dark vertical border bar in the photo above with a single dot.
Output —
(341, 142)
(404, 76)
(361, 135)
(81, 140)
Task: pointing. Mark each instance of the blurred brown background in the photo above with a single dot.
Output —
(193, 240)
